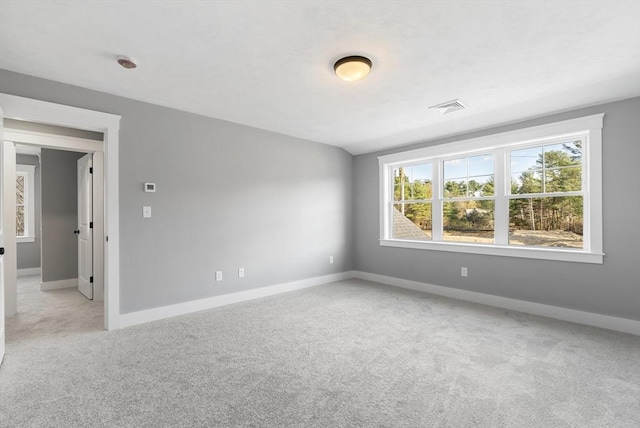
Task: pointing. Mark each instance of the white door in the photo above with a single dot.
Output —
(8, 259)
(85, 226)
(2, 250)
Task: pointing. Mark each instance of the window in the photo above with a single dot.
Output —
(468, 205)
(535, 192)
(25, 203)
(412, 195)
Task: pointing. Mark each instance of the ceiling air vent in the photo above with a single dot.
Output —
(449, 106)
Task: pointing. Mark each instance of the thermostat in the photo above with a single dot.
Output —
(149, 187)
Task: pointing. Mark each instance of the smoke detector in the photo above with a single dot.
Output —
(449, 106)
(127, 62)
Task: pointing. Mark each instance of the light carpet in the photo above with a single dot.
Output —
(347, 354)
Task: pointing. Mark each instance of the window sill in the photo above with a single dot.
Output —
(23, 239)
(578, 256)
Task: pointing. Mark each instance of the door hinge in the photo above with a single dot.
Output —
(90, 170)
(1, 251)
(90, 225)
(91, 279)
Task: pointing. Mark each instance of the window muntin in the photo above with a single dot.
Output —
(469, 176)
(549, 166)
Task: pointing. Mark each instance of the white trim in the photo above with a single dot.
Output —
(74, 144)
(147, 315)
(29, 271)
(588, 127)
(27, 109)
(588, 318)
(488, 142)
(578, 256)
(57, 285)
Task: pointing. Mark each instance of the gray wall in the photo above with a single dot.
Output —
(59, 214)
(28, 253)
(231, 196)
(228, 196)
(612, 288)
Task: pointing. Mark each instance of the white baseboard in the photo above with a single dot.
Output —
(57, 285)
(596, 320)
(588, 318)
(29, 272)
(155, 314)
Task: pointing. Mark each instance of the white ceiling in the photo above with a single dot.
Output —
(269, 64)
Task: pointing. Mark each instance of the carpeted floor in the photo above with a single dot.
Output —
(347, 354)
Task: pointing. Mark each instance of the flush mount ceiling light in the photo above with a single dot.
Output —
(352, 68)
(127, 62)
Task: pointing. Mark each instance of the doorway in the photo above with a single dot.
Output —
(106, 154)
(54, 260)
(70, 256)
(54, 223)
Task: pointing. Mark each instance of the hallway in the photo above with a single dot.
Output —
(49, 314)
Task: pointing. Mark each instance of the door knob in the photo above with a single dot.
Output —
(76, 232)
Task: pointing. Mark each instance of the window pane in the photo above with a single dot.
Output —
(566, 154)
(526, 182)
(20, 221)
(412, 221)
(455, 168)
(546, 222)
(472, 176)
(412, 183)
(20, 189)
(421, 173)
(454, 188)
(481, 186)
(468, 221)
(481, 165)
(563, 179)
(525, 159)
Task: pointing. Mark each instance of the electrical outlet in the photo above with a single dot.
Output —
(330, 259)
(240, 272)
(463, 271)
(218, 275)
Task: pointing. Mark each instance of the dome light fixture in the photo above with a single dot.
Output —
(352, 68)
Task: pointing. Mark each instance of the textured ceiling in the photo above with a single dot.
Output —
(268, 64)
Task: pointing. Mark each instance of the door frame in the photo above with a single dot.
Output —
(108, 243)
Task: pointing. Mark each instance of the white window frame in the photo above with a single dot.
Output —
(28, 172)
(589, 128)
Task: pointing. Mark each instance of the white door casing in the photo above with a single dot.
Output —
(85, 226)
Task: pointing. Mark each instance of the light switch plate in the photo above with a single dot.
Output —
(146, 212)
